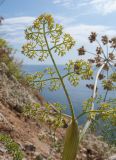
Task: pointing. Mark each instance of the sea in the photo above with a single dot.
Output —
(78, 94)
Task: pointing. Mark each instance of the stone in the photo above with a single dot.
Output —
(113, 157)
(30, 147)
(2, 148)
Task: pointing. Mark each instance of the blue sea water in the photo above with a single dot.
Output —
(78, 94)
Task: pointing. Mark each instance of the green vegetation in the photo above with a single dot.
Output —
(7, 56)
(45, 38)
(12, 147)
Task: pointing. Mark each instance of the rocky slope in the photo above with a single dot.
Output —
(34, 138)
(12, 92)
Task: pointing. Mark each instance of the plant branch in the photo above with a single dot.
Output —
(113, 50)
(101, 47)
(91, 111)
(40, 32)
(56, 46)
(38, 50)
(93, 54)
(107, 51)
(105, 95)
(92, 107)
(57, 70)
(49, 79)
(67, 74)
(35, 33)
(113, 69)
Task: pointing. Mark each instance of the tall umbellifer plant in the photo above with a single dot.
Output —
(104, 59)
(45, 39)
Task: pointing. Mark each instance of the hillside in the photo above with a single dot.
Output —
(34, 137)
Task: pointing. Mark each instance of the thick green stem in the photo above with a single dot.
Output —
(60, 77)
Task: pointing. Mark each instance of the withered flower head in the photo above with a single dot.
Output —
(111, 56)
(97, 59)
(81, 51)
(98, 64)
(91, 60)
(106, 67)
(104, 40)
(90, 86)
(113, 42)
(76, 67)
(101, 76)
(99, 50)
(92, 37)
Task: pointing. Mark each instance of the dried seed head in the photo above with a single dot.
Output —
(113, 42)
(97, 59)
(98, 64)
(91, 86)
(104, 40)
(101, 76)
(106, 67)
(111, 56)
(99, 50)
(81, 51)
(92, 37)
(91, 61)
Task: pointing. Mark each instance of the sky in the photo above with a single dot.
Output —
(78, 17)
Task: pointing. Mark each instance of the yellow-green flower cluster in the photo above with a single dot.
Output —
(84, 69)
(44, 19)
